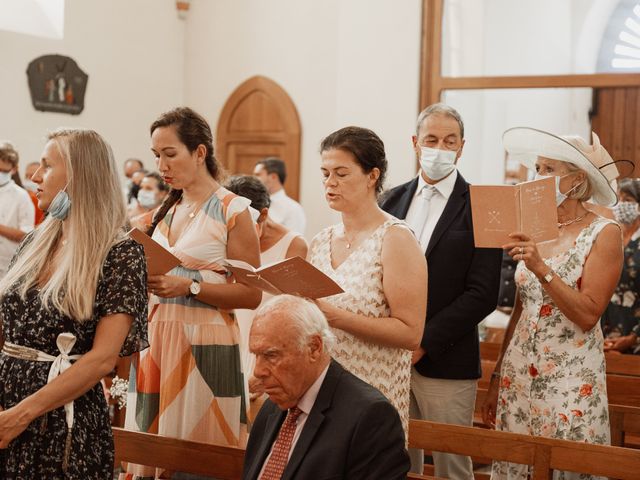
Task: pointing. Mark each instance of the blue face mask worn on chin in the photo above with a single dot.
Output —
(560, 197)
(60, 205)
(437, 164)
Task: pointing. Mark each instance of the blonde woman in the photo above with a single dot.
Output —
(74, 298)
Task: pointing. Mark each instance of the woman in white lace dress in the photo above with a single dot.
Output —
(375, 258)
(550, 380)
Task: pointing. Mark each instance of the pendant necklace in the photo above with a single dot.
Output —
(346, 239)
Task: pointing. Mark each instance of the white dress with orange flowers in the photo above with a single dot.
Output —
(553, 380)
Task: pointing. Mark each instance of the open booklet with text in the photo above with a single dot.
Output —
(528, 207)
(294, 276)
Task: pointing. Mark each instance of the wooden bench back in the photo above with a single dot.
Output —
(174, 454)
(544, 454)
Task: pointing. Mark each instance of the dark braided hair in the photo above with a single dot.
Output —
(192, 130)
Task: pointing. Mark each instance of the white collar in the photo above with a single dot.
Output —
(444, 186)
(309, 398)
(279, 194)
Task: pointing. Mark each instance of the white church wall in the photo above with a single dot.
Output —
(353, 62)
(505, 37)
(133, 54)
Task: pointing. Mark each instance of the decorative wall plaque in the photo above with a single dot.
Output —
(57, 84)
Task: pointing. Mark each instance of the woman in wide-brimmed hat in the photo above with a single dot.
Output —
(550, 378)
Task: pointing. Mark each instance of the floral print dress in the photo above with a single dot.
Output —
(39, 451)
(553, 380)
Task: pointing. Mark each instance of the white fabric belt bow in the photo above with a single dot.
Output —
(59, 364)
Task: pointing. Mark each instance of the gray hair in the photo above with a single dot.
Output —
(440, 109)
(306, 315)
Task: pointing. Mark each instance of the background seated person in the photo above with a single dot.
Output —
(276, 243)
(337, 426)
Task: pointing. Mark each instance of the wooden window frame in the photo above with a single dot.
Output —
(432, 83)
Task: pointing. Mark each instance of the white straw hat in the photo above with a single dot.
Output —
(526, 144)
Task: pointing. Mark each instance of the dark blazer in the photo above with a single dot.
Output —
(352, 433)
(462, 287)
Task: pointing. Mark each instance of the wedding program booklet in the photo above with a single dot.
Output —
(294, 276)
(159, 259)
(499, 210)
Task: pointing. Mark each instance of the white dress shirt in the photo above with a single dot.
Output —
(18, 212)
(305, 404)
(287, 212)
(432, 210)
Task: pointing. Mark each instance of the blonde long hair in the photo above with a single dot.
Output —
(95, 224)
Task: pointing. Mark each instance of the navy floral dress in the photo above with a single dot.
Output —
(38, 452)
(622, 315)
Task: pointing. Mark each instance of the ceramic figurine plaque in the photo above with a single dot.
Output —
(57, 84)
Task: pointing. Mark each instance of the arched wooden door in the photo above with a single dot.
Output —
(259, 120)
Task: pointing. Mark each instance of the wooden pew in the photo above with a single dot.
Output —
(178, 455)
(544, 454)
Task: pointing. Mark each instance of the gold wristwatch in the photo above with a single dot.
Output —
(548, 276)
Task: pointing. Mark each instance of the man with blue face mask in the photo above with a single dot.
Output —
(463, 282)
(17, 214)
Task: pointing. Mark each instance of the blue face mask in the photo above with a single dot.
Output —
(560, 197)
(60, 205)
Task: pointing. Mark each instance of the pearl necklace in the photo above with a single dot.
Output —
(569, 222)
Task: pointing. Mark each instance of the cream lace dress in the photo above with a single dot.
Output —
(386, 368)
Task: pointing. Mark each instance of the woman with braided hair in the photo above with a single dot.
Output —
(189, 383)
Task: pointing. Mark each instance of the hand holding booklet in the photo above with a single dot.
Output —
(294, 276)
(528, 207)
(159, 259)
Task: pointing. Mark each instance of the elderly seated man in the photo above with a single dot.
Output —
(320, 421)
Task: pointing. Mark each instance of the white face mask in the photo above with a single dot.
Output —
(147, 198)
(437, 164)
(5, 177)
(30, 185)
(560, 197)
